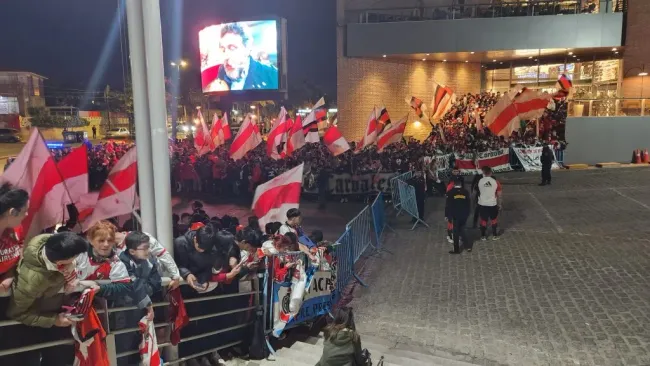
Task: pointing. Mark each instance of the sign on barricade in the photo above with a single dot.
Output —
(348, 184)
(529, 158)
(498, 160)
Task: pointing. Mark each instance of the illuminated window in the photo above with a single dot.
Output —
(36, 86)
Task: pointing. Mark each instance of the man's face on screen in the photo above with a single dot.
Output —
(235, 55)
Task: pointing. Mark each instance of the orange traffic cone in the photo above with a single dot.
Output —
(646, 158)
(637, 156)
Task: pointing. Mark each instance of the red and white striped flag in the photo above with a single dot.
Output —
(118, 195)
(220, 130)
(335, 141)
(296, 137)
(85, 205)
(310, 124)
(443, 99)
(392, 134)
(383, 118)
(202, 140)
(502, 119)
(35, 171)
(417, 105)
(370, 136)
(248, 137)
(531, 104)
(277, 136)
(274, 198)
(74, 171)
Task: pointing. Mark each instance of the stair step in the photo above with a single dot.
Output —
(298, 354)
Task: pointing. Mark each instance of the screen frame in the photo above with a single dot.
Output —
(281, 46)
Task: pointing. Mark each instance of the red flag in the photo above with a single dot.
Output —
(383, 118)
(220, 130)
(274, 198)
(277, 136)
(310, 124)
(248, 137)
(370, 136)
(35, 171)
(531, 104)
(118, 194)
(443, 99)
(296, 136)
(417, 105)
(149, 353)
(392, 134)
(564, 86)
(74, 171)
(85, 205)
(505, 115)
(335, 141)
(89, 334)
(202, 140)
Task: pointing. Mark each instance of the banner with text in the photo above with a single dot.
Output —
(346, 184)
(529, 158)
(498, 160)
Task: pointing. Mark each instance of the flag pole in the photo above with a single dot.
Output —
(137, 217)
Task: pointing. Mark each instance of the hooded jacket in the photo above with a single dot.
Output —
(36, 300)
(342, 350)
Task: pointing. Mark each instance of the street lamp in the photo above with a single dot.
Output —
(178, 65)
(252, 107)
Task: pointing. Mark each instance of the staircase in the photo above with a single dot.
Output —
(309, 351)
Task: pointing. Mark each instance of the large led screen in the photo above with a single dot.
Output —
(239, 56)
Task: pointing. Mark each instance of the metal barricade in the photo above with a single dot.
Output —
(393, 185)
(409, 203)
(163, 343)
(559, 157)
(379, 218)
(360, 232)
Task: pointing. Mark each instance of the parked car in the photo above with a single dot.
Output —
(9, 135)
(75, 136)
(118, 133)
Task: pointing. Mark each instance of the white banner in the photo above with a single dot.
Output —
(442, 161)
(529, 158)
(345, 184)
(498, 160)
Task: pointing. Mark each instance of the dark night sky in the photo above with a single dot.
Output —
(63, 40)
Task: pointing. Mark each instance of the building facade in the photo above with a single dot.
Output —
(389, 50)
(19, 91)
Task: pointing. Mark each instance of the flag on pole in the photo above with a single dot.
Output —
(296, 138)
(335, 141)
(220, 130)
(277, 136)
(202, 140)
(274, 198)
(74, 171)
(531, 104)
(417, 105)
(370, 135)
(392, 134)
(248, 137)
(502, 118)
(443, 99)
(383, 119)
(310, 124)
(118, 195)
(564, 87)
(35, 171)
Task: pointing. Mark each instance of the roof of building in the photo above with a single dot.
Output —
(22, 72)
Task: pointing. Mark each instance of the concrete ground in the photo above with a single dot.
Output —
(568, 283)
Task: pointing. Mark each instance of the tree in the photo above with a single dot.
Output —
(41, 117)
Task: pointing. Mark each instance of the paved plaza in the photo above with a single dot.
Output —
(567, 284)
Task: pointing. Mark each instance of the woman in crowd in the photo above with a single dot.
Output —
(13, 209)
(342, 345)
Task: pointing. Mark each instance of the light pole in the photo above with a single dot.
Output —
(178, 65)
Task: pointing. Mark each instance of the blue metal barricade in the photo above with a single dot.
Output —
(379, 218)
(409, 203)
(360, 229)
(344, 262)
(393, 184)
(559, 157)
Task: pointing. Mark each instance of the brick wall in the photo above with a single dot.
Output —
(637, 49)
(365, 83)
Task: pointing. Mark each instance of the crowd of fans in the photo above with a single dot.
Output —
(209, 253)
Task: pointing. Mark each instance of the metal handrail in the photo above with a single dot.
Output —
(454, 10)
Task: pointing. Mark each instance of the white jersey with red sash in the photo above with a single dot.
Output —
(108, 269)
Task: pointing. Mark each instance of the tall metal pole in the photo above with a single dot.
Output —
(141, 116)
(158, 121)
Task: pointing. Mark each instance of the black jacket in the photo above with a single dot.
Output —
(547, 156)
(260, 76)
(145, 279)
(190, 261)
(458, 203)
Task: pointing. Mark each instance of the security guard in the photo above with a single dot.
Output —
(458, 207)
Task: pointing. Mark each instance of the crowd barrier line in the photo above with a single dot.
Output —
(110, 334)
(409, 202)
(378, 211)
